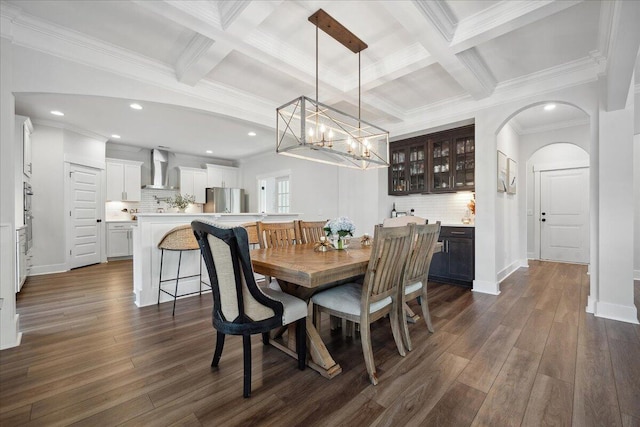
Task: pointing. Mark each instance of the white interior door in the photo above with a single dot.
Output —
(84, 214)
(564, 224)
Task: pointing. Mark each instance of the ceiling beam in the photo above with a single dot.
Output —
(623, 52)
(502, 18)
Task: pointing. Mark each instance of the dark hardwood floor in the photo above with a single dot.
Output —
(530, 356)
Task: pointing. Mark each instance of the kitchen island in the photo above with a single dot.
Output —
(151, 227)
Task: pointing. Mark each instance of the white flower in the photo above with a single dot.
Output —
(342, 226)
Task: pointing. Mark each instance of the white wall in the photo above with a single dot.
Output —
(47, 182)
(561, 153)
(52, 147)
(319, 191)
(636, 190)
(9, 335)
(507, 216)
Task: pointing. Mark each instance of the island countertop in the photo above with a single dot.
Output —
(148, 232)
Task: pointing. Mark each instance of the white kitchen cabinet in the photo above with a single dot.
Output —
(123, 180)
(222, 176)
(119, 240)
(193, 181)
(24, 129)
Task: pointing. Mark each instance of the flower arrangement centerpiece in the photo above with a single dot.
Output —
(181, 201)
(339, 230)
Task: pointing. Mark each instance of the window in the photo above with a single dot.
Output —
(274, 192)
(282, 184)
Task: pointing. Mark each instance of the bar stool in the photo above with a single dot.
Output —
(179, 239)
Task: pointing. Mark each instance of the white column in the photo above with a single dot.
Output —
(9, 335)
(614, 299)
(486, 199)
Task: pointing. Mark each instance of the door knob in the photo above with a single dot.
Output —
(544, 213)
(543, 220)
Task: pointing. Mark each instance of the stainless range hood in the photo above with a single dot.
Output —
(159, 171)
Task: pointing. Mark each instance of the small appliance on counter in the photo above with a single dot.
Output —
(224, 200)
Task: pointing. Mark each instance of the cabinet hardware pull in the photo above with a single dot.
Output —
(458, 232)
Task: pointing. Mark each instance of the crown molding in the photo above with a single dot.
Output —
(607, 26)
(440, 15)
(474, 62)
(204, 10)
(8, 14)
(187, 66)
(229, 10)
(71, 128)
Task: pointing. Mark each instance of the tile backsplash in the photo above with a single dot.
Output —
(148, 204)
(448, 208)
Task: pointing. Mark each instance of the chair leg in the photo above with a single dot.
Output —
(160, 280)
(246, 348)
(219, 347)
(425, 309)
(404, 328)
(265, 338)
(395, 327)
(301, 342)
(349, 329)
(175, 294)
(367, 351)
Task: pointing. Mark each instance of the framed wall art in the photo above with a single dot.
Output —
(512, 173)
(502, 172)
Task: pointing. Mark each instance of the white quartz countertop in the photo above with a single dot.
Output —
(167, 214)
(122, 220)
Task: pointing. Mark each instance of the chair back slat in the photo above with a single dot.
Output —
(252, 232)
(311, 231)
(276, 234)
(388, 256)
(419, 260)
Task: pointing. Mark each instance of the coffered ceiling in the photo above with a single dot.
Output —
(240, 60)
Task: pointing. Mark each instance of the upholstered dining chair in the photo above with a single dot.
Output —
(416, 274)
(240, 307)
(378, 294)
(311, 231)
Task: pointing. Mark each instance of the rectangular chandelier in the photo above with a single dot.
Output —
(308, 129)
(314, 131)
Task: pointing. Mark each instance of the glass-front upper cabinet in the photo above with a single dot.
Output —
(435, 163)
(465, 163)
(408, 167)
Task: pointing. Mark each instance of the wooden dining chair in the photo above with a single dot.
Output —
(311, 231)
(416, 274)
(401, 221)
(252, 233)
(276, 234)
(377, 296)
(240, 307)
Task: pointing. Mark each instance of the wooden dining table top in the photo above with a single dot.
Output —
(302, 265)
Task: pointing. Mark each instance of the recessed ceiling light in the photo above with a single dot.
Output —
(136, 106)
(251, 134)
(114, 136)
(209, 152)
(57, 113)
(549, 107)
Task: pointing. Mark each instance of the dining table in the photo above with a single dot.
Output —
(302, 270)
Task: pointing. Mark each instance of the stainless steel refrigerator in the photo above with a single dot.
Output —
(224, 200)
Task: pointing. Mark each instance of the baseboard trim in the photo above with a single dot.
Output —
(5, 342)
(622, 313)
(636, 274)
(484, 287)
(591, 305)
(509, 270)
(47, 269)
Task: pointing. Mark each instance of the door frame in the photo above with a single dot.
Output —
(100, 166)
(543, 167)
